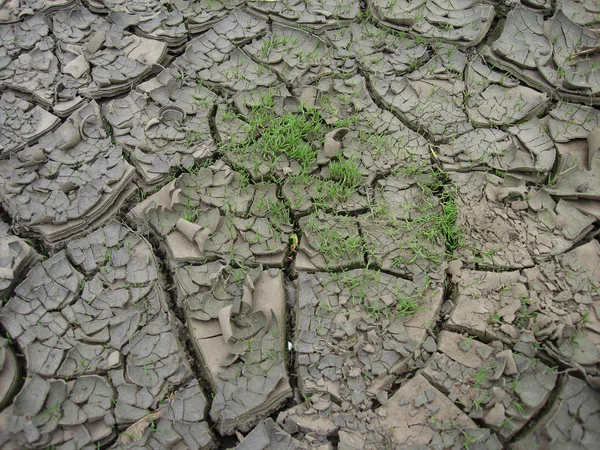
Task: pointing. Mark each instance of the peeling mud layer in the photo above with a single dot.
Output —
(299, 224)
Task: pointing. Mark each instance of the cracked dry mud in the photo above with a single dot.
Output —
(299, 224)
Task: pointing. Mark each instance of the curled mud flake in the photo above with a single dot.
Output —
(524, 148)
(150, 20)
(179, 421)
(503, 388)
(9, 372)
(556, 55)
(268, 435)
(235, 318)
(429, 419)
(74, 183)
(78, 410)
(377, 51)
(496, 99)
(463, 24)
(218, 201)
(296, 56)
(430, 98)
(164, 125)
(357, 330)
(502, 230)
(569, 421)
(329, 242)
(313, 14)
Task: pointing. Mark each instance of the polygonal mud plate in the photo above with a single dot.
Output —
(429, 99)
(316, 15)
(377, 140)
(72, 180)
(215, 46)
(22, 123)
(571, 422)
(522, 148)
(180, 421)
(306, 193)
(164, 125)
(56, 412)
(238, 73)
(408, 249)
(495, 99)
(236, 319)
(463, 24)
(420, 415)
(376, 50)
(502, 388)
(113, 322)
(329, 242)
(216, 214)
(202, 15)
(507, 225)
(149, 19)
(357, 330)
(296, 56)
(551, 55)
(568, 126)
(554, 299)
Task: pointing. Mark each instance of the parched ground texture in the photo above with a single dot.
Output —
(299, 224)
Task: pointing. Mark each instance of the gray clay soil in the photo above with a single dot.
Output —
(320, 224)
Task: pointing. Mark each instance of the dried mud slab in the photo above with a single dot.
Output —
(295, 55)
(583, 12)
(9, 372)
(90, 58)
(150, 19)
(550, 306)
(211, 49)
(164, 125)
(73, 180)
(329, 242)
(525, 148)
(572, 420)
(376, 50)
(377, 141)
(463, 24)
(496, 99)
(200, 16)
(509, 225)
(22, 123)
(17, 11)
(357, 330)
(554, 55)
(216, 214)
(104, 335)
(502, 388)
(267, 435)
(569, 126)
(580, 181)
(420, 415)
(54, 412)
(430, 99)
(178, 423)
(16, 257)
(313, 14)
(236, 319)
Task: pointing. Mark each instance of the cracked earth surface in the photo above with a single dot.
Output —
(299, 224)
